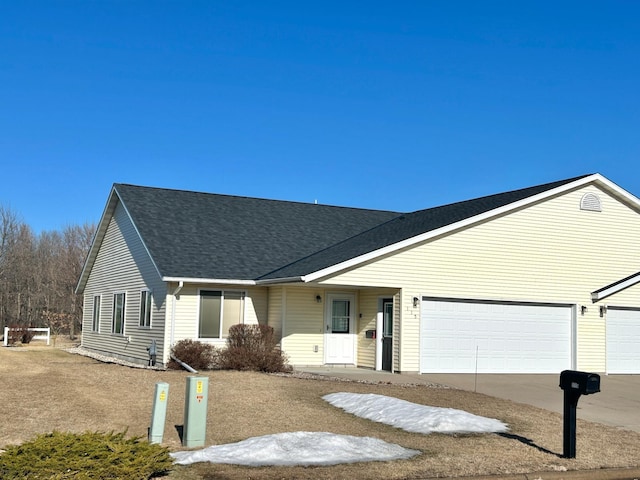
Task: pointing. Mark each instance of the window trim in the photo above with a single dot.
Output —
(146, 308)
(124, 313)
(243, 294)
(95, 313)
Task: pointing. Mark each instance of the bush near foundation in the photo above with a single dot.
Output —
(252, 347)
(198, 355)
(86, 456)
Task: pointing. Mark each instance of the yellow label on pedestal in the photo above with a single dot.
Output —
(199, 386)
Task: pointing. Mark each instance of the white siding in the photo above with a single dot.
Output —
(188, 304)
(302, 338)
(123, 265)
(548, 252)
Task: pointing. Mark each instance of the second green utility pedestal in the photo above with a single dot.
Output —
(195, 412)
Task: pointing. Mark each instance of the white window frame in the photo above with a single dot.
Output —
(146, 308)
(222, 291)
(124, 313)
(95, 313)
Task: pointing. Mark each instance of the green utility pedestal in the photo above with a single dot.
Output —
(159, 413)
(195, 412)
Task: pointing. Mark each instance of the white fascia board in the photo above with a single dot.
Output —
(96, 241)
(138, 233)
(615, 288)
(279, 280)
(208, 281)
(461, 224)
(618, 191)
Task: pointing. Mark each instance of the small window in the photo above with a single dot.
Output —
(118, 313)
(218, 311)
(95, 326)
(590, 202)
(145, 308)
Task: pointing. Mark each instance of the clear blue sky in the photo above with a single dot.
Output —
(397, 105)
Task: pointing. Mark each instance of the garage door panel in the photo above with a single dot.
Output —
(623, 340)
(494, 337)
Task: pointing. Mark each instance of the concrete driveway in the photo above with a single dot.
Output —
(617, 404)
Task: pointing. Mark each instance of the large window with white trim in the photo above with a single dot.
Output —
(219, 309)
(118, 313)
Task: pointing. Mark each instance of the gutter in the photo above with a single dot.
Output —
(173, 314)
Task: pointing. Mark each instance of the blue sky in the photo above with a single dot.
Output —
(396, 105)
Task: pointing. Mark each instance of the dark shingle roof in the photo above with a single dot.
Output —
(210, 236)
(202, 235)
(408, 226)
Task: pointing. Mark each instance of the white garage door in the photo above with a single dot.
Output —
(491, 337)
(623, 340)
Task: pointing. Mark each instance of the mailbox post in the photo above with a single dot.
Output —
(574, 384)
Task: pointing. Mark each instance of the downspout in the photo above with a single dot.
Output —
(173, 313)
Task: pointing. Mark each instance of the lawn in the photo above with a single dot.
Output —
(46, 389)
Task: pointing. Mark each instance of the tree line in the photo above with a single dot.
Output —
(39, 273)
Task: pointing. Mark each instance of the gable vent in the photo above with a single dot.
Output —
(590, 202)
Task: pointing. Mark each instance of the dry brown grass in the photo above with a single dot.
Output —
(46, 389)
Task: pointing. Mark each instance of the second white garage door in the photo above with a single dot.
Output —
(623, 340)
(494, 337)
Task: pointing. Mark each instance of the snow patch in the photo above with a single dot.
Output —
(413, 417)
(298, 448)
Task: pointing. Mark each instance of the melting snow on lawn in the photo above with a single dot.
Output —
(411, 416)
(322, 448)
(298, 448)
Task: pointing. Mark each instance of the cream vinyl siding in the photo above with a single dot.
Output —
(187, 310)
(275, 311)
(123, 265)
(370, 303)
(548, 252)
(303, 328)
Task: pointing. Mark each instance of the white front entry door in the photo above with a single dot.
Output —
(339, 329)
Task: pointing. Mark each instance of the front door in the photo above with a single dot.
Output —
(387, 335)
(339, 338)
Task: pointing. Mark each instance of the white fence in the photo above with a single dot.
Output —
(44, 335)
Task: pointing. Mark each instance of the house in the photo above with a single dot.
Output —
(535, 280)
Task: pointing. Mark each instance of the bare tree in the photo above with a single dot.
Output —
(38, 274)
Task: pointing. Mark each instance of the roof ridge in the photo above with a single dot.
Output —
(247, 197)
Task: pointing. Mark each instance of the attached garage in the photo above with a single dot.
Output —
(465, 336)
(623, 340)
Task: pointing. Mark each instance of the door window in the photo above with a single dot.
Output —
(340, 316)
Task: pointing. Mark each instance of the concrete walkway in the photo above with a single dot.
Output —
(617, 404)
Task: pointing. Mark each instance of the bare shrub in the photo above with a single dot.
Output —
(19, 333)
(252, 347)
(198, 355)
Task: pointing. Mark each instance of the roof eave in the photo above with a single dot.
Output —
(209, 281)
(615, 287)
(275, 281)
(353, 262)
(98, 236)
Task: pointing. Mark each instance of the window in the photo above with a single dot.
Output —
(340, 316)
(96, 314)
(145, 308)
(118, 313)
(219, 310)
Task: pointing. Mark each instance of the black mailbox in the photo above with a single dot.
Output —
(574, 384)
(581, 382)
(370, 334)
